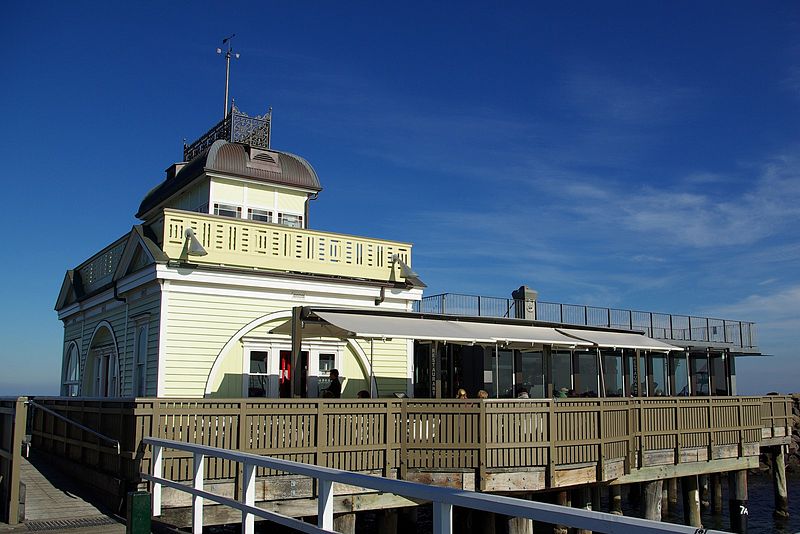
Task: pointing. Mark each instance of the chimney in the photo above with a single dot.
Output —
(525, 303)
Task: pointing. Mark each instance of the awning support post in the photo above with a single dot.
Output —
(297, 344)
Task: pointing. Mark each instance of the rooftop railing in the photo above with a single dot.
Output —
(665, 326)
(237, 127)
(258, 245)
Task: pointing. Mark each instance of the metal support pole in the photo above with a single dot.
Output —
(249, 494)
(158, 472)
(325, 504)
(297, 347)
(197, 501)
(442, 518)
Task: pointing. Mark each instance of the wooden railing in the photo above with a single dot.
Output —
(253, 244)
(397, 436)
(12, 431)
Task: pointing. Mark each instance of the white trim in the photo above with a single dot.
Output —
(125, 284)
(65, 368)
(410, 368)
(250, 181)
(141, 321)
(107, 325)
(162, 338)
(361, 358)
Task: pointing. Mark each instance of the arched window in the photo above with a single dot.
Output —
(140, 358)
(71, 381)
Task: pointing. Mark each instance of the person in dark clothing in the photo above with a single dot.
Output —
(335, 388)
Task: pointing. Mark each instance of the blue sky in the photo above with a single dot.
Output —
(636, 155)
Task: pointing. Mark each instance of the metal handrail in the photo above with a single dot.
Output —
(77, 424)
(442, 498)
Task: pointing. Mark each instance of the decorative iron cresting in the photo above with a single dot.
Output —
(238, 127)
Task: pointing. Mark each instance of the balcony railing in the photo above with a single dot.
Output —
(657, 325)
(258, 245)
(237, 127)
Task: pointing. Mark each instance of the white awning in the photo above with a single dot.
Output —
(367, 326)
(619, 340)
(522, 335)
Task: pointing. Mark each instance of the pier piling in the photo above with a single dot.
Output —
(737, 500)
(705, 492)
(691, 501)
(779, 482)
(615, 499)
(664, 500)
(716, 493)
(561, 499)
(345, 523)
(672, 490)
(387, 521)
(652, 499)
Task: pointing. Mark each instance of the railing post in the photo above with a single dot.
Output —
(724, 331)
(442, 518)
(325, 504)
(671, 332)
(158, 472)
(551, 439)
(483, 439)
(479, 305)
(197, 501)
(18, 426)
(561, 313)
(609, 317)
(708, 329)
(444, 304)
(249, 494)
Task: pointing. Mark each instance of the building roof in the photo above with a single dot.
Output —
(264, 165)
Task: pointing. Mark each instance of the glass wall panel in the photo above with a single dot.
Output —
(633, 373)
(719, 378)
(562, 371)
(586, 374)
(505, 374)
(532, 371)
(613, 373)
(489, 373)
(679, 374)
(659, 386)
(423, 370)
(699, 374)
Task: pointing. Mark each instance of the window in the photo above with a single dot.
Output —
(228, 210)
(71, 371)
(586, 374)
(255, 214)
(140, 358)
(289, 219)
(562, 371)
(258, 385)
(698, 368)
(326, 363)
(532, 371)
(613, 373)
(659, 388)
(680, 375)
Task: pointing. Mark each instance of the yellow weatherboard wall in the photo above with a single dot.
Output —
(292, 202)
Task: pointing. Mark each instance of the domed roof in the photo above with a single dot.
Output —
(235, 159)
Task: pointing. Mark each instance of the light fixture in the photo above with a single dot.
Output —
(194, 248)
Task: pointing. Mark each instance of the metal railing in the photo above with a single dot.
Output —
(237, 127)
(443, 499)
(114, 442)
(658, 325)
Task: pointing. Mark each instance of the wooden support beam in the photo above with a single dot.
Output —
(581, 498)
(387, 521)
(561, 499)
(662, 472)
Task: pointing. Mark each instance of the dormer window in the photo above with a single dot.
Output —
(228, 210)
(255, 214)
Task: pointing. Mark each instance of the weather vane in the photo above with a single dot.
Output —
(228, 55)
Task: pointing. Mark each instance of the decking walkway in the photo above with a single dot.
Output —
(54, 503)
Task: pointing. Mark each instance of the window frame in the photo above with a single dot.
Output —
(233, 208)
(139, 386)
(68, 383)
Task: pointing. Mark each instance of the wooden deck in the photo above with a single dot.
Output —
(491, 445)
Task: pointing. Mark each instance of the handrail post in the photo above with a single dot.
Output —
(158, 472)
(442, 518)
(249, 497)
(17, 434)
(325, 504)
(197, 501)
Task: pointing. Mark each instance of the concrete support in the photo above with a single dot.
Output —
(652, 499)
(387, 521)
(716, 493)
(561, 499)
(737, 500)
(615, 499)
(779, 482)
(664, 500)
(345, 523)
(705, 492)
(691, 501)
